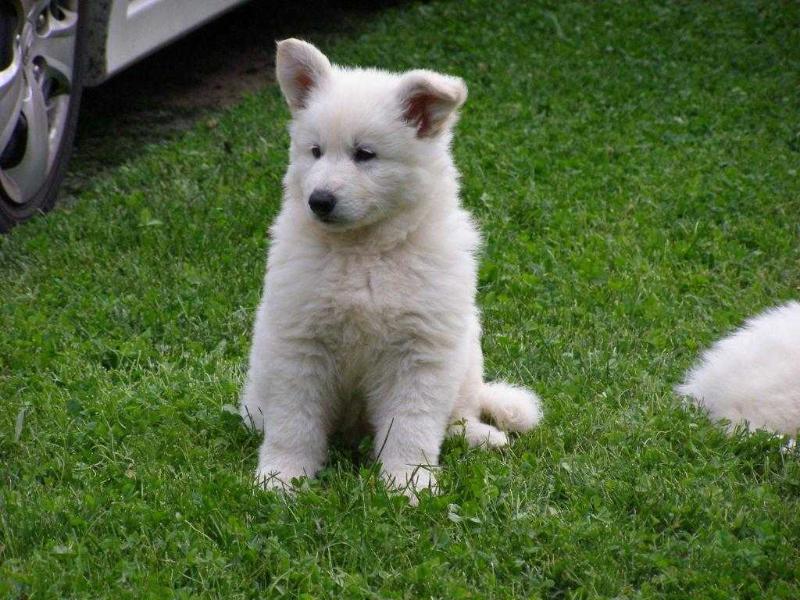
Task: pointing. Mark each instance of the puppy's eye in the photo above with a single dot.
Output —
(316, 152)
(363, 155)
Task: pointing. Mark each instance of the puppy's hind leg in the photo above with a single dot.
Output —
(466, 417)
(478, 433)
(511, 408)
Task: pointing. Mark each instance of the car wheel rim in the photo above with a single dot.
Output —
(35, 86)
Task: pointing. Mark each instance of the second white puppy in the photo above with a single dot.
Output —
(368, 313)
(752, 377)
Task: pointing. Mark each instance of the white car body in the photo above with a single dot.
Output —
(135, 28)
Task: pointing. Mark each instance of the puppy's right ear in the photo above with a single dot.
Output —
(300, 67)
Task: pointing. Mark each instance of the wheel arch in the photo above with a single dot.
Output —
(99, 16)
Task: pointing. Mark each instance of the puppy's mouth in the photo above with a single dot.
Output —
(332, 222)
(328, 220)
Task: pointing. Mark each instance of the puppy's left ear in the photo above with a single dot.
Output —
(430, 101)
(300, 67)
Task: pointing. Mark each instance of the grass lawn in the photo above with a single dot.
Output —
(634, 167)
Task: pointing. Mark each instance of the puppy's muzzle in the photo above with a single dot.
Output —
(322, 203)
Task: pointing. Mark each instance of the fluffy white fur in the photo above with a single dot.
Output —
(368, 317)
(753, 376)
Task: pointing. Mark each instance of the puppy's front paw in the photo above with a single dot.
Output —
(411, 480)
(270, 477)
(272, 480)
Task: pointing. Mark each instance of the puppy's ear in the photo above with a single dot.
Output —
(300, 67)
(430, 101)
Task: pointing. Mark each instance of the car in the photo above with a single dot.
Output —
(50, 50)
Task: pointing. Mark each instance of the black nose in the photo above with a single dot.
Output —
(322, 202)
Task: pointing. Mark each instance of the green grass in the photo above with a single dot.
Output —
(634, 167)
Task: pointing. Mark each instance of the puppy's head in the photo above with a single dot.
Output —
(366, 144)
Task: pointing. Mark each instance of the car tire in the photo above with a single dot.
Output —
(18, 204)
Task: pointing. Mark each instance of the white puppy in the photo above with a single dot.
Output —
(752, 376)
(368, 314)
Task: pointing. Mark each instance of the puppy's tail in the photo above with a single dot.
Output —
(512, 408)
